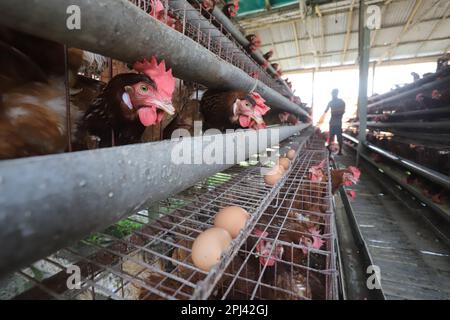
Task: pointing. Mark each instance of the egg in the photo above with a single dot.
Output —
(273, 176)
(232, 219)
(284, 162)
(291, 154)
(209, 246)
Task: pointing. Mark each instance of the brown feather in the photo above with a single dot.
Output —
(217, 109)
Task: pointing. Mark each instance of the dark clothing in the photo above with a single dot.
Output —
(337, 107)
(336, 131)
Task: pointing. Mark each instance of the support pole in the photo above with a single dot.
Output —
(364, 54)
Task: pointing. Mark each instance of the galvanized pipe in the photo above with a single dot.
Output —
(52, 201)
(378, 105)
(412, 125)
(428, 173)
(120, 30)
(257, 55)
(409, 124)
(416, 113)
(429, 79)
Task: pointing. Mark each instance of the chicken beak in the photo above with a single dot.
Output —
(166, 106)
(258, 119)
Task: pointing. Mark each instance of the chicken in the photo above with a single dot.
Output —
(128, 104)
(438, 99)
(188, 112)
(230, 9)
(233, 109)
(158, 12)
(442, 62)
(268, 55)
(345, 177)
(33, 96)
(276, 67)
(415, 76)
(206, 5)
(430, 190)
(288, 118)
(254, 42)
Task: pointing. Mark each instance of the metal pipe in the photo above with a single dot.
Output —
(134, 36)
(257, 55)
(428, 173)
(420, 82)
(430, 112)
(429, 86)
(364, 55)
(409, 124)
(49, 202)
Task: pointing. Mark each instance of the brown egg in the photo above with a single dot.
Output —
(291, 154)
(232, 219)
(273, 176)
(209, 246)
(284, 162)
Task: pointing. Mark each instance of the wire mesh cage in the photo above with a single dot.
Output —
(220, 43)
(148, 255)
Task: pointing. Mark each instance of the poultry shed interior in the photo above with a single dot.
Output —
(181, 150)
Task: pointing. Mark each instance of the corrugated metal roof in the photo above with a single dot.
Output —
(428, 34)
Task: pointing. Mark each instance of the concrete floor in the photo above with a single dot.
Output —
(414, 262)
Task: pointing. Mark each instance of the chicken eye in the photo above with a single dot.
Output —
(144, 88)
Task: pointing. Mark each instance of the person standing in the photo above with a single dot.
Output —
(337, 107)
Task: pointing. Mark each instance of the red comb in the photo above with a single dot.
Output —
(260, 107)
(236, 5)
(317, 241)
(165, 82)
(351, 194)
(355, 171)
(156, 7)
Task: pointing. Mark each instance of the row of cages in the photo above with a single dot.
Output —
(412, 122)
(77, 80)
(286, 251)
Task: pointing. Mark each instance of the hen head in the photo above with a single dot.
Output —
(420, 97)
(436, 95)
(351, 176)
(151, 97)
(314, 241)
(268, 54)
(209, 4)
(255, 41)
(316, 173)
(264, 249)
(232, 8)
(249, 111)
(157, 9)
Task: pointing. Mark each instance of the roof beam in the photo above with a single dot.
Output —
(330, 53)
(341, 34)
(302, 6)
(383, 10)
(353, 66)
(286, 14)
(445, 15)
(322, 29)
(394, 45)
(297, 41)
(349, 29)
